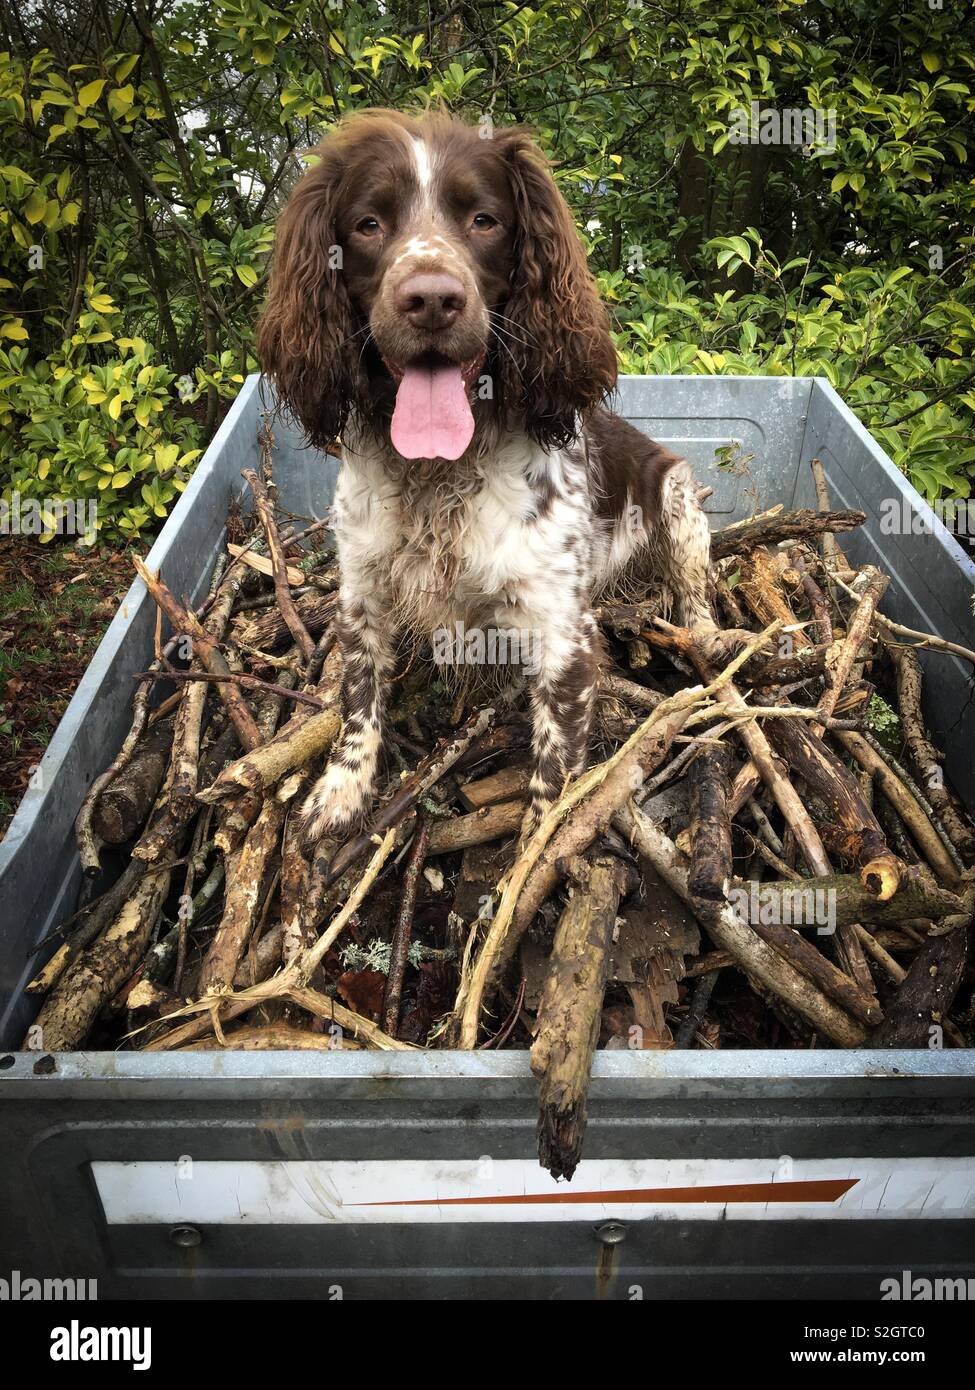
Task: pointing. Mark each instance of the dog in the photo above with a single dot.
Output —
(430, 305)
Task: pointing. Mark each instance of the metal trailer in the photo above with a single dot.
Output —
(278, 1175)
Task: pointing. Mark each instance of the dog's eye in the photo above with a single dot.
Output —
(483, 221)
(368, 226)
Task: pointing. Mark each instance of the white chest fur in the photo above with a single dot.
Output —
(497, 537)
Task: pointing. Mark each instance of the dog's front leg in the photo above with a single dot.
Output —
(365, 631)
(563, 699)
(684, 548)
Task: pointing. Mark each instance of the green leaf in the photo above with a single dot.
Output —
(121, 100)
(90, 93)
(35, 207)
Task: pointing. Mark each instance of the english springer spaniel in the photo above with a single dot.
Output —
(430, 306)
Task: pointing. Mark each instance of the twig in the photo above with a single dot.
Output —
(285, 602)
(203, 645)
(789, 526)
(404, 925)
(427, 775)
(750, 952)
(238, 678)
(926, 640)
(470, 996)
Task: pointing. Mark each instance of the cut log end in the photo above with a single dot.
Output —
(560, 1136)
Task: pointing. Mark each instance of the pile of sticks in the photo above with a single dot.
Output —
(764, 852)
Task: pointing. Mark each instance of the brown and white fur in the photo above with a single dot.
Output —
(414, 240)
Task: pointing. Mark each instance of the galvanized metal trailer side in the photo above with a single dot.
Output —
(94, 1147)
(799, 1113)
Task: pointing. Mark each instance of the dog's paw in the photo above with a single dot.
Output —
(531, 820)
(335, 805)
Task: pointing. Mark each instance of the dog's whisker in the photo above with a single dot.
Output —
(514, 361)
(366, 328)
(500, 333)
(504, 318)
(501, 318)
(365, 344)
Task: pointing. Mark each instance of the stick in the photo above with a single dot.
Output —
(873, 948)
(125, 803)
(567, 1026)
(704, 965)
(798, 525)
(711, 826)
(589, 819)
(262, 767)
(871, 584)
(467, 1009)
(629, 692)
(786, 797)
(189, 719)
(823, 973)
(479, 828)
(316, 611)
(292, 981)
(206, 649)
(920, 639)
(427, 775)
(84, 832)
(276, 1037)
(862, 836)
(73, 1003)
(904, 803)
(699, 1004)
(404, 926)
(843, 899)
(294, 874)
(750, 952)
(510, 784)
(285, 602)
(923, 754)
(240, 678)
(245, 874)
(832, 554)
(262, 565)
(816, 599)
(923, 1000)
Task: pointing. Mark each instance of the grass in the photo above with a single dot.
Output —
(55, 602)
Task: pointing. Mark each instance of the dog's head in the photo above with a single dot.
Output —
(420, 268)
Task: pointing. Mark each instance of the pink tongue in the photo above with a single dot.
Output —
(432, 418)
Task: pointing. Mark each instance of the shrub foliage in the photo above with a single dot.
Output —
(146, 148)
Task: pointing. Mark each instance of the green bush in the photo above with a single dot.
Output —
(147, 150)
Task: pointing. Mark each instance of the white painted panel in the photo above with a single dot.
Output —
(431, 1190)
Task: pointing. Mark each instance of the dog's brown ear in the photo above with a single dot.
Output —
(304, 338)
(562, 360)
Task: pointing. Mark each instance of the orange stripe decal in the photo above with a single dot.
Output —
(812, 1190)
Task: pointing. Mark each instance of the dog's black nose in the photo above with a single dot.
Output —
(430, 299)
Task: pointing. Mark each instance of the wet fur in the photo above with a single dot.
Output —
(555, 500)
